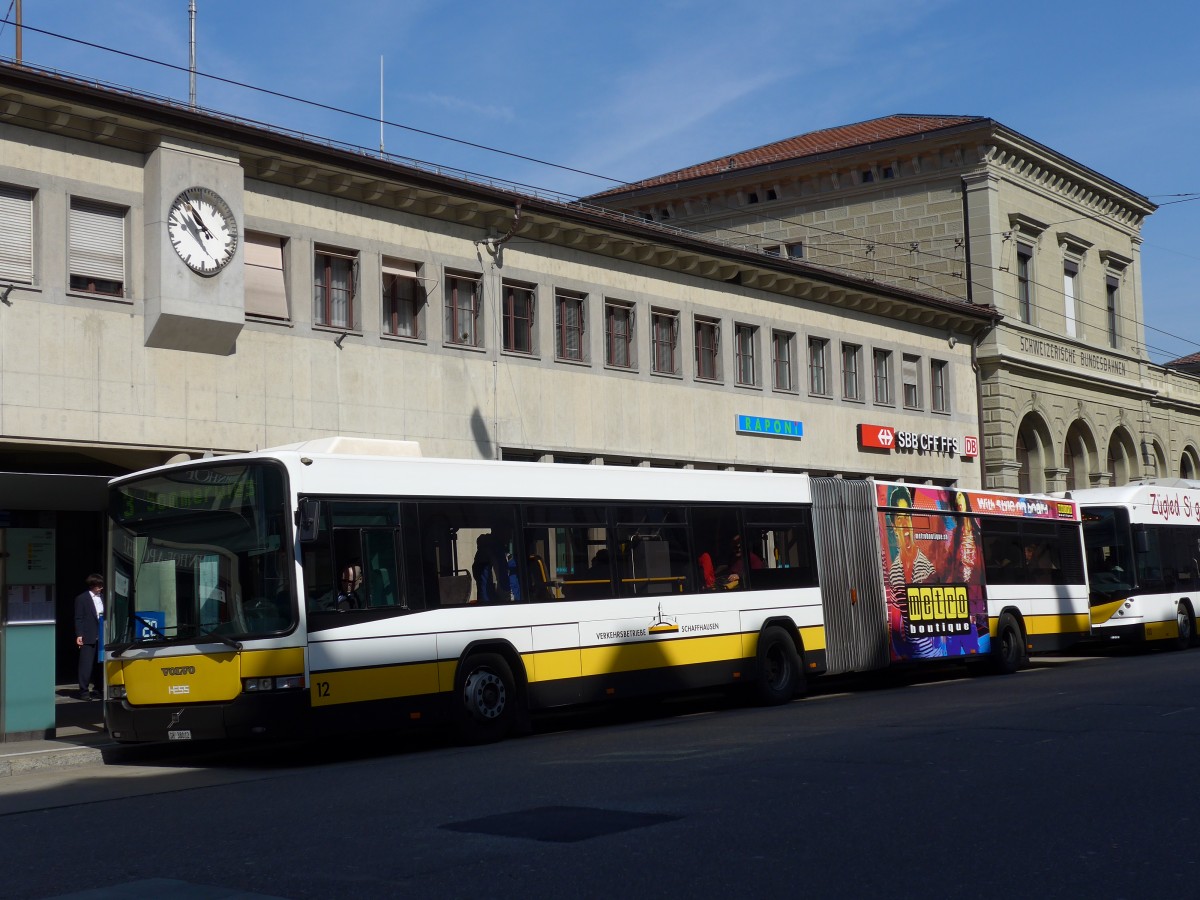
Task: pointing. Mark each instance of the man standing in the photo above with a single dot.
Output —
(89, 606)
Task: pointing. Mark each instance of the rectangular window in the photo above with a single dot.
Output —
(517, 314)
(665, 338)
(568, 326)
(818, 366)
(16, 235)
(910, 376)
(96, 252)
(745, 337)
(266, 289)
(1112, 297)
(334, 287)
(463, 302)
(1025, 283)
(851, 371)
(939, 397)
(782, 349)
(708, 361)
(795, 250)
(403, 299)
(881, 361)
(1070, 283)
(618, 335)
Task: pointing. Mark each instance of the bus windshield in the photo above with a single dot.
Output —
(200, 554)
(1109, 547)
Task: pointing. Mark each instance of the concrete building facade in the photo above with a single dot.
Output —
(966, 208)
(175, 283)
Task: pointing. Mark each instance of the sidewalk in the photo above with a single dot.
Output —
(79, 738)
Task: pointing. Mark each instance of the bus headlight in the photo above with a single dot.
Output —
(116, 692)
(279, 683)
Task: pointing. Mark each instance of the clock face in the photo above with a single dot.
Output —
(202, 229)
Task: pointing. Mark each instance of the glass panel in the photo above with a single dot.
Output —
(200, 551)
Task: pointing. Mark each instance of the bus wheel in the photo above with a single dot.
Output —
(780, 672)
(1010, 645)
(487, 698)
(1187, 627)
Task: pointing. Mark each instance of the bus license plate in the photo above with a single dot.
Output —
(179, 735)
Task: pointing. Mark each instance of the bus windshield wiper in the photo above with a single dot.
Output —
(227, 641)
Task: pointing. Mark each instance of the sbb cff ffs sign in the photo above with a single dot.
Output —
(884, 437)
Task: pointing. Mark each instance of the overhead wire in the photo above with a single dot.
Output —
(906, 247)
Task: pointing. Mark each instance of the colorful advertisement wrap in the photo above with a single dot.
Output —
(933, 573)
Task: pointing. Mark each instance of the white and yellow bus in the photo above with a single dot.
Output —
(344, 583)
(1142, 544)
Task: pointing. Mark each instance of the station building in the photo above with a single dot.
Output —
(176, 283)
(965, 208)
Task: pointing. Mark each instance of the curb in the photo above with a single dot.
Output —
(50, 758)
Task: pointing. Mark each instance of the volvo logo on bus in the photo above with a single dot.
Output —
(169, 671)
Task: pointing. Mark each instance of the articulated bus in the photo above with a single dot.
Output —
(347, 583)
(1142, 544)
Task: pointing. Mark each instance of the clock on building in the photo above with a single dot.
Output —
(202, 230)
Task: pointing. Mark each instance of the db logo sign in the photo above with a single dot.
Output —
(876, 437)
(970, 445)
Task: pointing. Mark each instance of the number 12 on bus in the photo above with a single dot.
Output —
(312, 588)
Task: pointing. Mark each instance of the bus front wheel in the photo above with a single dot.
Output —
(1010, 645)
(487, 698)
(780, 671)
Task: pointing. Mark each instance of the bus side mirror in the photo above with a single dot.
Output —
(308, 520)
(1141, 543)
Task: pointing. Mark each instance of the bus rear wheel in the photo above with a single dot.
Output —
(486, 698)
(1010, 645)
(780, 675)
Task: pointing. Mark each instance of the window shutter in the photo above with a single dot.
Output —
(97, 243)
(266, 294)
(16, 234)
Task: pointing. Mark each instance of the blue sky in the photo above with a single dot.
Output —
(631, 89)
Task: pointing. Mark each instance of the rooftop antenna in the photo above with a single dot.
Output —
(381, 106)
(192, 54)
(18, 6)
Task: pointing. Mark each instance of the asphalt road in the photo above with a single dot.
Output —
(1069, 779)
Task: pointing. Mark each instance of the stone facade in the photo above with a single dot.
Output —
(963, 207)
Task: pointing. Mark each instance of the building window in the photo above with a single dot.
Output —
(96, 252)
(881, 361)
(618, 335)
(517, 315)
(708, 360)
(16, 235)
(851, 371)
(1025, 283)
(334, 287)
(745, 337)
(818, 366)
(403, 299)
(1112, 298)
(794, 250)
(464, 304)
(782, 349)
(665, 339)
(938, 394)
(266, 289)
(568, 326)
(1070, 283)
(910, 377)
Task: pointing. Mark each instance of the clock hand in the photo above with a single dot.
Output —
(199, 221)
